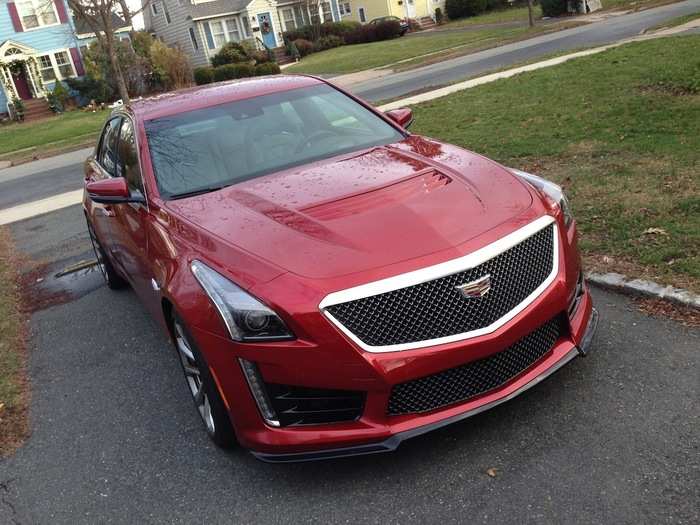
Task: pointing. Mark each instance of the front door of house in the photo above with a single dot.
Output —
(410, 9)
(21, 84)
(266, 29)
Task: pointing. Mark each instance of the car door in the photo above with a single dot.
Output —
(130, 221)
(102, 165)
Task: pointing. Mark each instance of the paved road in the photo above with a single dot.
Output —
(609, 439)
(447, 72)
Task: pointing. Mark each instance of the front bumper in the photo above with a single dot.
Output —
(392, 443)
(323, 358)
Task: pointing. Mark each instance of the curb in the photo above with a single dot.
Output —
(620, 283)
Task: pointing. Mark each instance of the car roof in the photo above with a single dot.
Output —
(199, 97)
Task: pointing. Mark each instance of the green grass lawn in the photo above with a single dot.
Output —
(513, 14)
(347, 59)
(620, 131)
(70, 128)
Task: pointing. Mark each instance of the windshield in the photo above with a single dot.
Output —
(210, 148)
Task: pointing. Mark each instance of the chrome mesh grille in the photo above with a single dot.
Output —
(437, 309)
(478, 377)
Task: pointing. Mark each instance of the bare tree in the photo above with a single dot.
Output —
(530, 15)
(97, 14)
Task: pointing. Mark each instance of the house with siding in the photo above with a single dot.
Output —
(38, 47)
(201, 27)
(366, 10)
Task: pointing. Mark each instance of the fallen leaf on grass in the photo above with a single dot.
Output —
(491, 472)
(655, 231)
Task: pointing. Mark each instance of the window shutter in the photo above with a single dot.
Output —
(61, 10)
(207, 33)
(14, 15)
(77, 61)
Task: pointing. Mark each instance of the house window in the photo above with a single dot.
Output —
(154, 8)
(56, 66)
(193, 39)
(344, 8)
(361, 14)
(301, 16)
(218, 33)
(37, 13)
(232, 30)
(46, 68)
(65, 68)
(327, 14)
(288, 17)
(166, 12)
(246, 26)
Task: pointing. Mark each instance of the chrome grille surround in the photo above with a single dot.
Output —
(448, 268)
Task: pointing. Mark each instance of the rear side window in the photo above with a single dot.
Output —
(128, 157)
(107, 155)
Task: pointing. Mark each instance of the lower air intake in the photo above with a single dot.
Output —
(295, 405)
(459, 384)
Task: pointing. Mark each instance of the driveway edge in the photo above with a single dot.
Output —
(621, 283)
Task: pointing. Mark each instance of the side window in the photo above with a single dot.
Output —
(129, 157)
(107, 156)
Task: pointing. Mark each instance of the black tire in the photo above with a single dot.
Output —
(112, 278)
(219, 428)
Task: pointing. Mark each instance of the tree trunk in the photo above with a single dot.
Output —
(530, 15)
(117, 71)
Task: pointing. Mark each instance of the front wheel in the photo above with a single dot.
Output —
(112, 278)
(201, 385)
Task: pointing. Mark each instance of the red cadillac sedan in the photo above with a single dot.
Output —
(332, 284)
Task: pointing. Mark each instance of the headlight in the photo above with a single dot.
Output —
(246, 318)
(554, 191)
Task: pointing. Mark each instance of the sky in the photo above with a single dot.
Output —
(138, 19)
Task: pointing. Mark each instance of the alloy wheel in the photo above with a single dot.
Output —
(194, 377)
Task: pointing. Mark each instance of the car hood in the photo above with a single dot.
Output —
(362, 211)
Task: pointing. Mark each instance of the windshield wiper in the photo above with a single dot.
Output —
(199, 191)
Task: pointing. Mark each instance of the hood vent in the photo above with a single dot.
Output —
(426, 181)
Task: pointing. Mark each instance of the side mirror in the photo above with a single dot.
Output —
(402, 116)
(111, 191)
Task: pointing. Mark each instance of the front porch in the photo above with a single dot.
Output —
(21, 86)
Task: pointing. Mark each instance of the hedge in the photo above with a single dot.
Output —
(554, 7)
(311, 32)
(207, 75)
(232, 71)
(374, 32)
(267, 68)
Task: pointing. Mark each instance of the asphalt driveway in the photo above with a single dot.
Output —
(612, 438)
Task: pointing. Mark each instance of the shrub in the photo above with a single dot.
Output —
(204, 75)
(260, 56)
(492, 5)
(328, 42)
(461, 8)
(172, 65)
(553, 7)
(233, 71)
(230, 53)
(304, 46)
(60, 93)
(387, 30)
(438, 16)
(292, 51)
(314, 32)
(454, 9)
(88, 89)
(267, 68)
